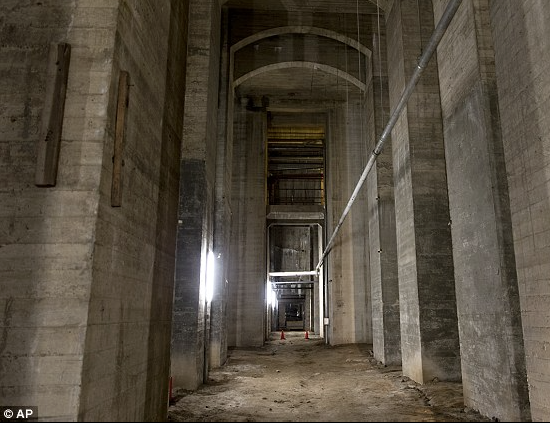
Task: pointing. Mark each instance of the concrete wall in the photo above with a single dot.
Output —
(492, 354)
(47, 234)
(348, 261)
(191, 321)
(85, 324)
(290, 248)
(521, 33)
(247, 270)
(429, 329)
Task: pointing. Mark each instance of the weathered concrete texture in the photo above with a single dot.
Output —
(47, 234)
(290, 248)
(188, 323)
(493, 364)
(162, 294)
(222, 210)
(429, 329)
(247, 272)
(347, 263)
(200, 123)
(191, 325)
(521, 33)
(386, 339)
(126, 367)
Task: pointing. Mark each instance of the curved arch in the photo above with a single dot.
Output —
(381, 3)
(300, 64)
(299, 29)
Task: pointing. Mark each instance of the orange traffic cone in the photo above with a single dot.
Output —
(307, 335)
(282, 335)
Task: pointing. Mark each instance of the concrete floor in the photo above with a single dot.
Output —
(298, 379)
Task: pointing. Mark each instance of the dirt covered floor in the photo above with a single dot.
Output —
(304, 380)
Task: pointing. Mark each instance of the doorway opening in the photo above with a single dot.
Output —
(295, 183)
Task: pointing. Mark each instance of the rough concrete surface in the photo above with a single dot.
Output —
(298, 379)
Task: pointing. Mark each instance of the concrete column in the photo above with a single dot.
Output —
(162, 292)
(247, 274)
(521, 32)
(317, 304)
(429, 329)
(222, 217)
(87, 287)
(492, 354)
(386, 342)
(347, 263)
(47, 234)
(190, 325)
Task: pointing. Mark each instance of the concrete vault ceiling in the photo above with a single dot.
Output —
(299, 58)
(297, 85)
(312, 66)
(310, 6)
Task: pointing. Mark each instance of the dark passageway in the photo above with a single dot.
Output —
(174, 178)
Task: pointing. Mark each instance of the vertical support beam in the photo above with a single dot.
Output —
(52, 116)
(246, 290)
(350, 309)
(386, 339)
(118, 162)
(320, 325)
(489, 315)
(191, 318)
(520, 33)
(429, 329)
(224, 157)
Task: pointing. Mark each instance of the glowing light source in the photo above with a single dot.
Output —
(210, 276)
(271, 297)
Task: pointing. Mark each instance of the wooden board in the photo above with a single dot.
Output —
(52, 116)
(118, 163)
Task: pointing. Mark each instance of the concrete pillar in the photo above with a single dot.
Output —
(522, 57)
(87, 286)
(162, 292)
(429, 329)
(191, 319)
(247, 274)
(222, 217)
(386, 342)
(492, 354)
(47, 234)
(347, 263)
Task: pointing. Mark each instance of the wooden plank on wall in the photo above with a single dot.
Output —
(118, 163)
(52, 116)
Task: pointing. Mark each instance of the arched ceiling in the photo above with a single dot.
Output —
(297, 85)
(298, 52)
(345, 6)
(299, 59)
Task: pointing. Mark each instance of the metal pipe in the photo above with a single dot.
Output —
(438, 33)
(297, 273)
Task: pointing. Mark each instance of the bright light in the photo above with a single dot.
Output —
(210, 275)
(272, 297)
